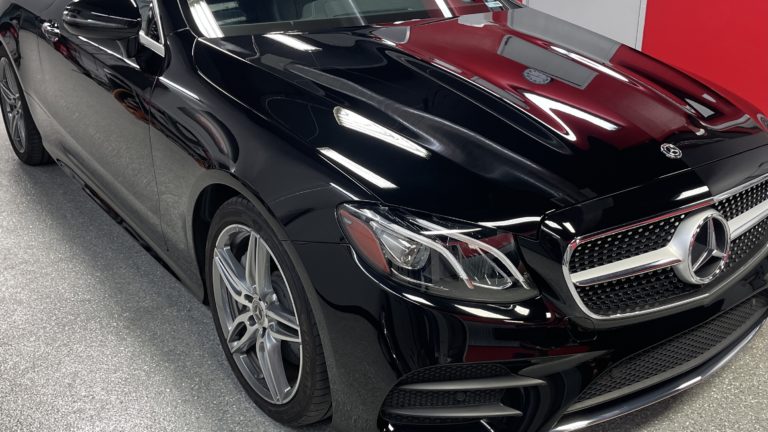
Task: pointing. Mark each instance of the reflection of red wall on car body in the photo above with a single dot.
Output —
(722, 43)
(725, 43)
(588, 105)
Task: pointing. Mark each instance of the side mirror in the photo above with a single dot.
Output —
(103, 19)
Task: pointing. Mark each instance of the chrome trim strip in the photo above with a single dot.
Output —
(748, 220)
(683, 210)
(575, 421)
(494, 383)
(647, 262)
(477, 411)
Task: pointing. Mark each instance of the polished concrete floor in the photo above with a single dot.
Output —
(96, 336)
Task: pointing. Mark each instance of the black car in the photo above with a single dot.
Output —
(409, 215)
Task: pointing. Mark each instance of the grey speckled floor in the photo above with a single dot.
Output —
(96, 336)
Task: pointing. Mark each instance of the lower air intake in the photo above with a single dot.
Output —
(674, 356)
(455, 394)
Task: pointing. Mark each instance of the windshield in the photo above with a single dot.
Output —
(216, 18)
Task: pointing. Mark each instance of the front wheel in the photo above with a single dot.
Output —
(263, 318)
(22, 133)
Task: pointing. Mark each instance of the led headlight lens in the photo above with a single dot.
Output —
(439, 256)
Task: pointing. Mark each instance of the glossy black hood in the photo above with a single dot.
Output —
(521, 113)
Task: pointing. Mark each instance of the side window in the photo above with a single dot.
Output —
(151, 34)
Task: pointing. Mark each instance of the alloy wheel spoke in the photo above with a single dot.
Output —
(237, 324)
(281, 334)
(5, 77)
(9, 96)
(233, 274)
(14, 126)
(246, 341)
(278, 314)
(270, 357)
(258, 266)
(20, 127)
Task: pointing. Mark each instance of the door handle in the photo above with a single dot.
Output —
(51, 31)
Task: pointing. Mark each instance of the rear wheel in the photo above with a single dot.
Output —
(263, 318)
(22, 133)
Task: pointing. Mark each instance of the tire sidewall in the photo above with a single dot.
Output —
(240, 211)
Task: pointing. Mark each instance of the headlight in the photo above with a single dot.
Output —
(439, 256)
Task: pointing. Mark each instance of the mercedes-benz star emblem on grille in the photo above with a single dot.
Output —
(703, 241)
(671, 151)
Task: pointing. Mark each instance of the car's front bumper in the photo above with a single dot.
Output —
(633, 402)
(378, 337)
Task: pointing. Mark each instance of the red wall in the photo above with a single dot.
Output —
(725, 42)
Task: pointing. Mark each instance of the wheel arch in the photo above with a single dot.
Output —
(206, 205)
(10, 44)
(210, 193)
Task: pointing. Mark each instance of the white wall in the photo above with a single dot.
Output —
(622, 20)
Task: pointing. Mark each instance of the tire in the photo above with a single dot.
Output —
(237, 228)
(24, 138)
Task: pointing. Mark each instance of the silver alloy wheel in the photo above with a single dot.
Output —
(257, 313)
(12, 106)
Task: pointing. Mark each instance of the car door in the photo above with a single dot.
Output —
(98, 98)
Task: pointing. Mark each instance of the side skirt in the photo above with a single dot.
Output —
(153, 251)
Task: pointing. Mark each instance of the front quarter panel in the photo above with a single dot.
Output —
(202, 136)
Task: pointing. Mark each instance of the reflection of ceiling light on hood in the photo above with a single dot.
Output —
(361, 124)
(506, 223)
(701, 109)
(444, 8)
(292, 42)
(591, 63)
(522, 310)
(394, 35)
(741, 121)
(550, 106)
(479, 20)
(692, 193)
(357, 168)
(205, 19)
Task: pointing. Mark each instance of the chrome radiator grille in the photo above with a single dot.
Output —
(625, 244)
(737, 204)
(630, 271)
(634, 294)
